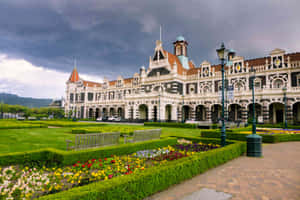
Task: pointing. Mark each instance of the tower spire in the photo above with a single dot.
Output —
(75, 63)
(160, 33)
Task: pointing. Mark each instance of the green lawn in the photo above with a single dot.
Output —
(18, 140)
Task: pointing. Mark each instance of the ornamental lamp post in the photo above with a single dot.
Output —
(253, 141)
(222, 54)
(285, 107)
(182, 108)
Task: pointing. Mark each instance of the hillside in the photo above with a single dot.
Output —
(13, 99)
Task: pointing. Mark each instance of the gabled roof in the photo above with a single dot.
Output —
(91, 84)
(128, 80)
(173, 59)
(74, 76)
(294, 56)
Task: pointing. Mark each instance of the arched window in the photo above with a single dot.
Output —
(278, 83)
(257, 83)
(239, 86)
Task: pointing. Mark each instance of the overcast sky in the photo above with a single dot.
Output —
(39, 39)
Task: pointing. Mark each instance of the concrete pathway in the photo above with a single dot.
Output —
(275, 176)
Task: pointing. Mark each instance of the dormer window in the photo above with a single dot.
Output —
(135, 81)
(119, 83)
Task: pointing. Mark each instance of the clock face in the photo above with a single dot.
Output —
(238, 67)
(206, 71)
(277, 62)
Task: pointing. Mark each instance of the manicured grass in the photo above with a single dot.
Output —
(19, 140)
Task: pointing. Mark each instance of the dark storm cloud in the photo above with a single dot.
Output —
(117, 37)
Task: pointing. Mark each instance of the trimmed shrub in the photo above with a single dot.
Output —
(143, 184)
(13, 124)
(278, 125)
(274, 138)
(109, 129)
(61, 158)
(65, 123)
(170, 124)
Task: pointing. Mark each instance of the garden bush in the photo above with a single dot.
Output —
(61, 123)
(13, 124)
(170, 124)
(278, 125)
(56, 157)
(109, 129)
(266, 138)
(149, 181)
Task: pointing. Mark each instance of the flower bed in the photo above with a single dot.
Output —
(18, 183)
(143, 183)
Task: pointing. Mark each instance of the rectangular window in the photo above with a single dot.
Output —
(90, 96)
(71, 97)
(82, 96)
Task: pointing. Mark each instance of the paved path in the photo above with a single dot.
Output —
(276, 176)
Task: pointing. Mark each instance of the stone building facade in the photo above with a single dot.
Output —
(172, 88)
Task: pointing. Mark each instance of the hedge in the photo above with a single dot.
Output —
(151, 180)
(274, 138)
(65, 123)
(170, 124)
(278, 125)
(51, 156)
(108, 129)
(21, 126)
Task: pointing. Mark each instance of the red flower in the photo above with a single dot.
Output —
(105, 158)
(78, 161)
(110, 176)
(113, 161)
(93, 160)
(83, 166)
(100, 160)
(89, 165)
(100, 164)
(75, 165)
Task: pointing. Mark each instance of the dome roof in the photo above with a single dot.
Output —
(180, 38)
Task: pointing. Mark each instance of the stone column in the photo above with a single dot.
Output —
(193, 112)
(126, 111)
(289, 112)
(162, 112)
(244, 114)
(150, 112)
(174, 114)
(208, 113)
(265, 113)
(136, 114)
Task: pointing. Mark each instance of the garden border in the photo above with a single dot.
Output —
(242, 136)
(171, 124)
(143, 184)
